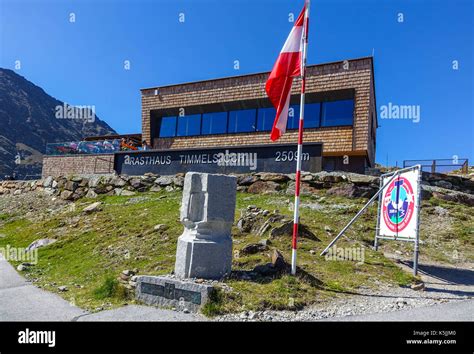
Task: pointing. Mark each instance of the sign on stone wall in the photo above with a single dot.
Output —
(225, 160)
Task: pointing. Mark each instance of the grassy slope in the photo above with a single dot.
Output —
(96, 247)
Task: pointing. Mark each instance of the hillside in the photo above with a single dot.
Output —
(28, 121)
(131, 232)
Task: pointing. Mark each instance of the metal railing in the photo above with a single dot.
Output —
(83, 147)
(440, 165)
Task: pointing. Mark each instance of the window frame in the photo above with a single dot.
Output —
(256, 120)
(338, 125)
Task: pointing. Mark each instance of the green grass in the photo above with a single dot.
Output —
(109, 289)
(93, 249)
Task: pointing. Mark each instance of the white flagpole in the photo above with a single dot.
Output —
(304, 40)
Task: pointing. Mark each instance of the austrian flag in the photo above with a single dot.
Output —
(287, 66)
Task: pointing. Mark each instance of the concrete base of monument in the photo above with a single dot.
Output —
(172, 293)
(203, 258)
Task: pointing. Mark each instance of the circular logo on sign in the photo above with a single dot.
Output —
(398, 204)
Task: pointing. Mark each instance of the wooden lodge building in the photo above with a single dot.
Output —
(235, 113)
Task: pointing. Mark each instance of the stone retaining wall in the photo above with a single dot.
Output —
(343, 184)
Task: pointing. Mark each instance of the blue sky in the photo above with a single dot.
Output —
(82, 63)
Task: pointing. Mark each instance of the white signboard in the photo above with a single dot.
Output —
(399, 206)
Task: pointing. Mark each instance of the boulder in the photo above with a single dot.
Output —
(246, 223)
(92, 207)
(77, 179)
(265, 269)
(450, 195)
(66, 195)
(135, 182)
(91, 194)
(118, 182)
(246, 180)
(364, 180)
(443, 184)
(23, 266)
(161, 227)
(100, 189)
(155, 189)
(40, 243)
(305, 188)
(71, 186)
(48, 182)
(273, 177)
(264, 228)
(164, 181)
(278, 261)
(262, 187)
(79, 193)
(418, 286)
(178, 180)
(287, 230)
(457, 197)
(425, 193)
(329, 177)
(253, 248)
(127, 193)
(151, 174)
(147, 181)
(94, 181)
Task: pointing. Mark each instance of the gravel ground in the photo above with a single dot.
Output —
(443, 284)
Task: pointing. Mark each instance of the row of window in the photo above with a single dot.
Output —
(324, 114)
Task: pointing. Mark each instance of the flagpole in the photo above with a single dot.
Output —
(304, 38)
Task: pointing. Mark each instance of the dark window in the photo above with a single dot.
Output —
(167, 127)
(265, 119)
(242, 121)
(189, 125)
(293, 117)
(311, 115)
(337, 113)
(214, 123)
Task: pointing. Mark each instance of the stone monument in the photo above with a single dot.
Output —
(204, 248)
(207, 213)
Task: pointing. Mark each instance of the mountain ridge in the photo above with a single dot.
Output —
(28, 121)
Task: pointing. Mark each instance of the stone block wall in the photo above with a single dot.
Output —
(78, 165)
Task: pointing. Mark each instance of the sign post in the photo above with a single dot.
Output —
(398, 215)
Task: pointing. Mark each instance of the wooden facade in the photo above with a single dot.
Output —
(344, 147)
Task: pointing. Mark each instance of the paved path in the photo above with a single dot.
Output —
(22, 301)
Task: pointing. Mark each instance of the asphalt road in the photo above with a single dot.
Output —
(22, 301)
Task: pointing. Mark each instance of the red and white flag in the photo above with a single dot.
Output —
(287, 66)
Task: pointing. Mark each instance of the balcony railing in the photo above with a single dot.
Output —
(440, 165)
(83, 147)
